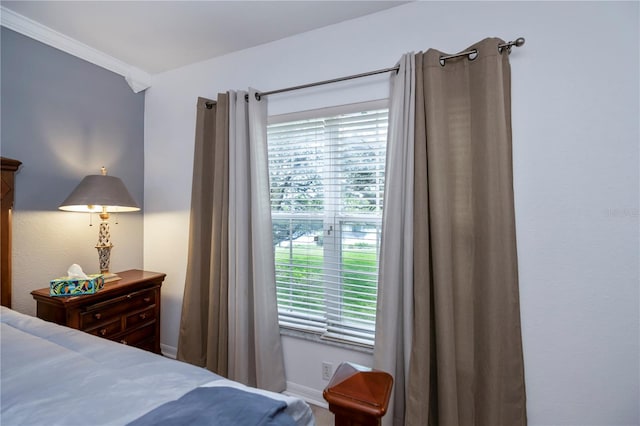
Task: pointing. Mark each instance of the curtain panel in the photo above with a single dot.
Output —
(469, 361)
(394, 321)
(255, 348)
(229, 321)
(203, 338)
(465, 361)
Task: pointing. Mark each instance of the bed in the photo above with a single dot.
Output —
(54, 375)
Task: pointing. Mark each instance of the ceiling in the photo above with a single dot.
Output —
(157, 36)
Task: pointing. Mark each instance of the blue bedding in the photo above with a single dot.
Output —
(218, 406)
(54, 375)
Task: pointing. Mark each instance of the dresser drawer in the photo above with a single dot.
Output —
(148, 344)
(136, 337)
(100, 313)
(108, 329)
(140, 317)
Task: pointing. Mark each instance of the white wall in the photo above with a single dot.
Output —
(575, 134)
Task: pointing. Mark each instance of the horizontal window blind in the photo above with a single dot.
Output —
(327, 187)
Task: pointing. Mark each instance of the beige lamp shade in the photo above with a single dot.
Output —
(100, 193)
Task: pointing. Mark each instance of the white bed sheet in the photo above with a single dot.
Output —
(54, 375)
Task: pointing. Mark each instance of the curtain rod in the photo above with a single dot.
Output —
(333, 80)
(518, 42)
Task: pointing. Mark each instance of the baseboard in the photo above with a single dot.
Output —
(310, 395)
(168, 351)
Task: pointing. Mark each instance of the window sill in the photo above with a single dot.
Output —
(313, 337)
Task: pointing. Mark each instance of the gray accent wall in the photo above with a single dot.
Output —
(64, 118)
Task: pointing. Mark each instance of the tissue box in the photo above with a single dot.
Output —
(67, 286)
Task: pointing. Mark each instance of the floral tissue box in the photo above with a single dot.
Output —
(67, 286)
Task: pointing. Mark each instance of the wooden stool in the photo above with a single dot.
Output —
(357, 395)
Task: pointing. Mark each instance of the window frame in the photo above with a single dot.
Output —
(312, 332)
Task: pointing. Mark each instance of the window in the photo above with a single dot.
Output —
(327, 184)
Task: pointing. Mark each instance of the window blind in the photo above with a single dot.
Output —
(327, 187)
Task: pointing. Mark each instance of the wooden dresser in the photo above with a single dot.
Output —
(126, 311)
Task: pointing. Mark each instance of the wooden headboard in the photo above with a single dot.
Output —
(9, 168)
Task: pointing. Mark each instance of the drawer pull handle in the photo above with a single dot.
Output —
(143, 315)
(103, 331)
(124, 342)
(97, 316)
(147, 299)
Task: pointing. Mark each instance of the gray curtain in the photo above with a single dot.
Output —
(255, 349)
(203, 338)
(466, 363)
(394, 323)
(462, 364)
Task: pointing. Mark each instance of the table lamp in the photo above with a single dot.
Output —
(101, 194)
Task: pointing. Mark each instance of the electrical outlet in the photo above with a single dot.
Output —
(327, 370)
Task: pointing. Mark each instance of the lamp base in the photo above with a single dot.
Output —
(110, 276)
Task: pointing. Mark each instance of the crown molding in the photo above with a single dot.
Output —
(137, 79)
